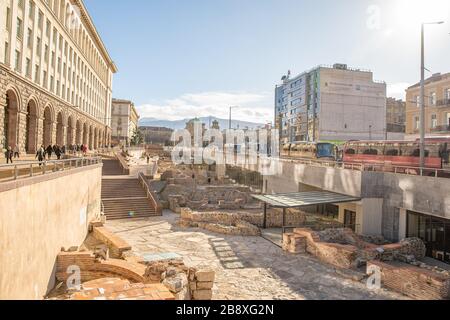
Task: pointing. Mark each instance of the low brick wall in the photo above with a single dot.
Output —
(92, 269)
(344, 249)
(412, 281)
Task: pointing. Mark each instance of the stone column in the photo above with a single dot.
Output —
(22, 132)
(40, 132)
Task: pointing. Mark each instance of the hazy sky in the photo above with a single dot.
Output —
(186, 58)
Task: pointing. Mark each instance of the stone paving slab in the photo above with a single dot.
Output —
(247, 268)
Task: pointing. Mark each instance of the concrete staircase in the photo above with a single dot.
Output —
(112, 167)
(125, 199)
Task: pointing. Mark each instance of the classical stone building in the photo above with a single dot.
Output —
(55, 76)
(437, 107)
(124, 122)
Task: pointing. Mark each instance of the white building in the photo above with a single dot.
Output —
(56, 76)
(124, 121)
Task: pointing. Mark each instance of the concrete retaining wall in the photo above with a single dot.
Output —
(38, 216)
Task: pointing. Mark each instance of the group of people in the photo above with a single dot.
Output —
(43, 153)
(12, 153)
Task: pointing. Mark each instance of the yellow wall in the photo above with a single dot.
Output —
(38, 218)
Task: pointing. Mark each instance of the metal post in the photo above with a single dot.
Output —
(284, 219)
(31, 170)
(16, 174)
(265, 216)
(422, 98)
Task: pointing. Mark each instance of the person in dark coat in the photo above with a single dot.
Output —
(9, 155)
(49, 152)
(57, 152)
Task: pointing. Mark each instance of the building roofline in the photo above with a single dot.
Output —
(433, 78)
(88, 19)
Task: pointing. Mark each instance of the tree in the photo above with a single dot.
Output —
(137, 138)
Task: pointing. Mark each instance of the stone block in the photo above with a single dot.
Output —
(204, 285)
(202, 295)
(205, 275)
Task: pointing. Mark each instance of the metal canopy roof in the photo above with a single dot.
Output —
(303, 199)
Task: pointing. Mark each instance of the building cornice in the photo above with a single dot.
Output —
(91, 27)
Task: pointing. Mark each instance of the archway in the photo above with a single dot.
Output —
(70, 128)
(11, 119)
(48, 124)
(79, 133)
(60, 130)
(31, 128)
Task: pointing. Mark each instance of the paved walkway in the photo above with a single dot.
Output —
(250, 268)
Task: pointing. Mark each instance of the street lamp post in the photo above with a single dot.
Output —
(422, 94)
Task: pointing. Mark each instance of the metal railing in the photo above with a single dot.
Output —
(21, 170)
(150, 195)
(408, 170)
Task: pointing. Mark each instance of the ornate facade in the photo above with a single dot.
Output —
(55, 76)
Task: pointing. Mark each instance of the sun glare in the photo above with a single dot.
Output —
(415, 12)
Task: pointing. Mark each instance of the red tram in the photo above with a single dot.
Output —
(398, 153)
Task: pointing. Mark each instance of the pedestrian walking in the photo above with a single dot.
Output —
(16, 152)
(9, 155)
(40, 155)
(57, 152)
(49, 152)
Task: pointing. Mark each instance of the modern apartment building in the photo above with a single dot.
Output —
(124, 121)
(437, 107)
(330, 103)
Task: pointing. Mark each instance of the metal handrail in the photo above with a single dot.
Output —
(46, 166)
(408, 170)
(149, 192)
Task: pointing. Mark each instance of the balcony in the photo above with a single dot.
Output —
(443, 103)
(441, 129)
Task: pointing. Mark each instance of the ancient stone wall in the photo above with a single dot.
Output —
(412, 281)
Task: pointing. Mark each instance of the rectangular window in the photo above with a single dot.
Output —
(44, 81)
(433, 98)
(36, 74)
(38, 46)
(21, 4)
(53, 59)
(52, 84)
(29, 38)
(47, 29)
(17, 62)
(19, 29)
(57, 88)
(31, 10)
(447, 94)
(28, 68)
(40, 20)
(8, 19)
(418, 101)
(6, 53)
(46, 53)
(433, 121)
(417, 123)
(55, 36)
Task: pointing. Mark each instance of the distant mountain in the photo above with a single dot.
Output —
(181, 124)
